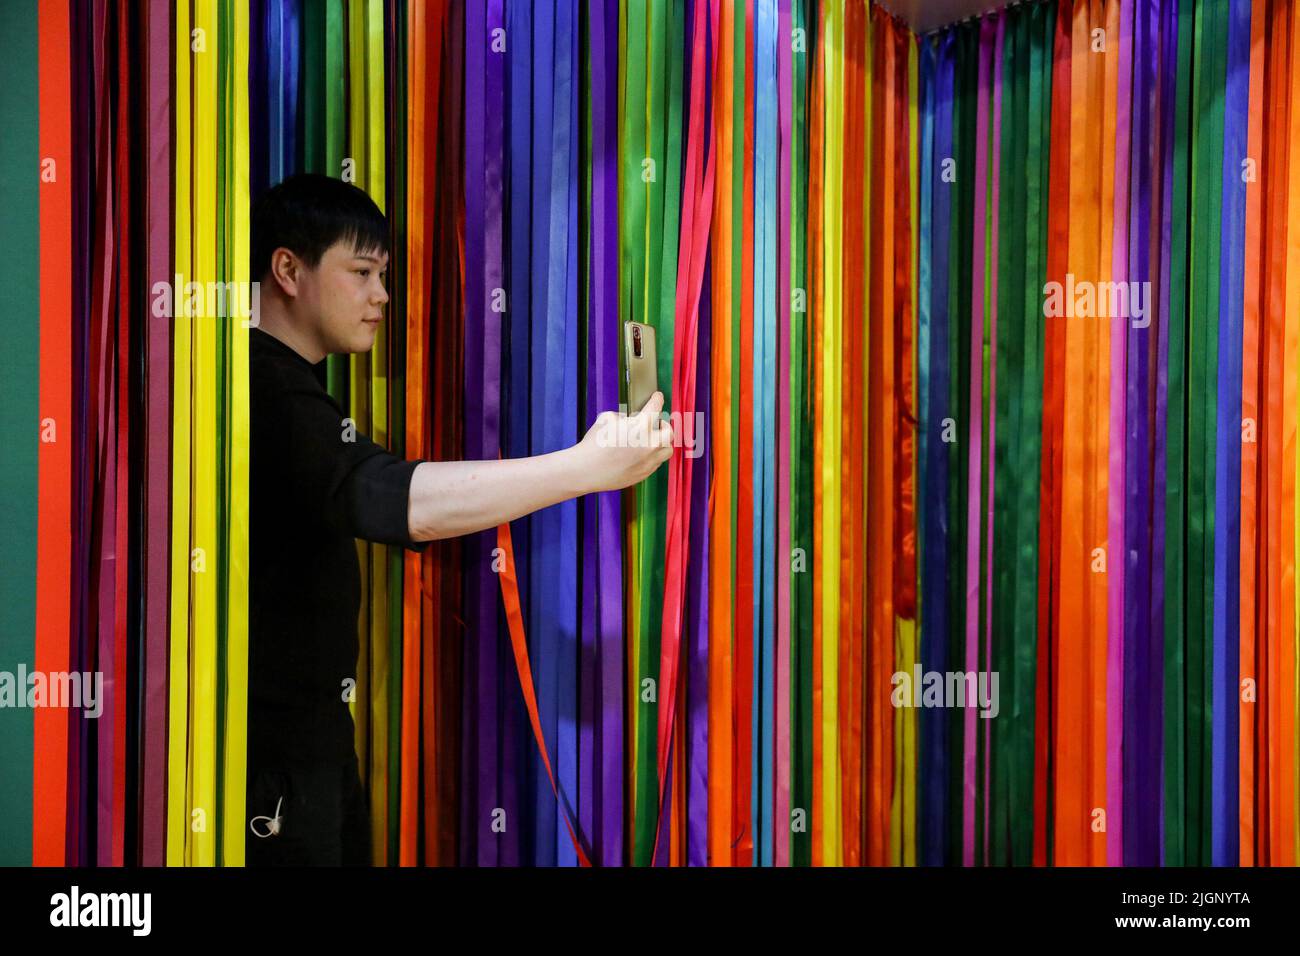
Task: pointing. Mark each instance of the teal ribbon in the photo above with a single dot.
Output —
(19, 391)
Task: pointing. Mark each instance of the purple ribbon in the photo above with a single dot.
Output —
(484, 96)
(1227, 511)
(1168, 105)
(608, 836)
(935, 733)
(520, 771)
(1142, 667)
(562, 397)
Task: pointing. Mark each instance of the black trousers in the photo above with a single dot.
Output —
(324, 816)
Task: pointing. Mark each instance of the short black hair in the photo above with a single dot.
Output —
(307, 213)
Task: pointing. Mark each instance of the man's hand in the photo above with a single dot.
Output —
(450, 498)
(621, 450)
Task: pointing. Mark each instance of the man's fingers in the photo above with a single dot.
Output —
(654, 406)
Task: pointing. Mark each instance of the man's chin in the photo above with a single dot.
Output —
(362, 341)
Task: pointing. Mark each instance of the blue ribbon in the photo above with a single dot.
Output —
(562, 390)
(764, 399)
(933, 759)
(1227, 517)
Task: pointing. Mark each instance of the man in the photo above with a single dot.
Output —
(319, 252)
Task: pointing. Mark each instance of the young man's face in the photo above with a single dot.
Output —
(345, 294)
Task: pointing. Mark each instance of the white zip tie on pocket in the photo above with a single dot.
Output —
(273, 823)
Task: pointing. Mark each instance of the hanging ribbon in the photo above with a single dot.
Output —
(52, 490)
(800, 450)
(696, 219)
(515, 622)
(745, 715)
(827, 643)
(1141, 690)
(721, 516)
(1229, 449)
(30, 32)
(157, 435)
(1251, 409)
(607, 837)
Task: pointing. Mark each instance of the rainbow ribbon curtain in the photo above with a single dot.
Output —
(981, 347)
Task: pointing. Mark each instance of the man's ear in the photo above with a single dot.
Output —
(286, 271)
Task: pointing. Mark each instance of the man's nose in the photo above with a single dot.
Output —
(381, 296)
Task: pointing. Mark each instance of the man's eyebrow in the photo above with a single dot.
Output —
(370, 258)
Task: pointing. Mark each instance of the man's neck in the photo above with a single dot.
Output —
(278, 326)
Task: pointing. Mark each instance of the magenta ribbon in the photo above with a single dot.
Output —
(158, 258)
(1115, 536)
(698, 180)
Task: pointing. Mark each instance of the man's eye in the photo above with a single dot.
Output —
(364, 272)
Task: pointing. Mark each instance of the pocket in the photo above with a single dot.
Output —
(268, 782)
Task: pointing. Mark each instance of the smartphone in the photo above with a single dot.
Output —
(642, 367)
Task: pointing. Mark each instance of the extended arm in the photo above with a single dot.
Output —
(450, 498)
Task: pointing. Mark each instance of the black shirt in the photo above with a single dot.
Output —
(315, 486)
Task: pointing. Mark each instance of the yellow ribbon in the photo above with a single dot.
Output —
(179, 626)
(832, 845)
(238, 239)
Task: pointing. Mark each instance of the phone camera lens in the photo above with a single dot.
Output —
(636, 341)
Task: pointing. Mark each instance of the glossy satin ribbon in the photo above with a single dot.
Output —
(55, 335)
(827, 815)
(484, 164)
(1229, 446)
(693, 250)
(607, 829)
(29, 226)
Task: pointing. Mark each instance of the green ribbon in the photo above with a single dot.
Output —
(1178, 617)
(651, 145)
(323, 105)
(1025, 664)
(1013, 315)
(984, 289)
(638, 154)
(801, 446)
(1209, 67)
(334, 106)
(1022, 245)
(668, 26)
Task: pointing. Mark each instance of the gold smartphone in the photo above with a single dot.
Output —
(642, 367)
